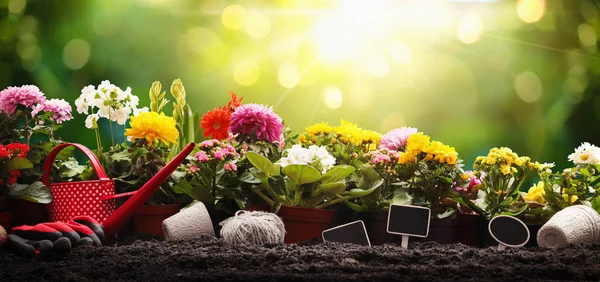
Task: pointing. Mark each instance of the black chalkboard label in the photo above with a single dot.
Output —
(353, 232)
(408, 220)
(509, 231)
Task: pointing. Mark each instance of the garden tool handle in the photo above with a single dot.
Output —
(116, 196)
(93, 160)
(124, 212)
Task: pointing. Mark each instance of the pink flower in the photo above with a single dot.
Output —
(60, 109)
(26, 95)
(256, 122)
(208, 143)
(218, 155)
(201, 157)
(396, 139)
(230, 167)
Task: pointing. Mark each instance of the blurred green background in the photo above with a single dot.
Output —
(473, 74)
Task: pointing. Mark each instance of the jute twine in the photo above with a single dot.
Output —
(252, 228)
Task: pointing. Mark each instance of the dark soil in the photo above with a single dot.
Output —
(149, 259)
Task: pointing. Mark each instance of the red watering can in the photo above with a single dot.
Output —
(96, 198)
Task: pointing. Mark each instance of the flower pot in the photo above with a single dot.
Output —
(7, 219)
(149, 218)
(443, 231)
(29, 213)
(468, 228)
(376, 225)
(302, 224)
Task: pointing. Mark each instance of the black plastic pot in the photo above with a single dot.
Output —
(442, 231)
(468, 228)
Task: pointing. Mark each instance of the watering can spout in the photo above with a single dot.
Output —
(125, 211)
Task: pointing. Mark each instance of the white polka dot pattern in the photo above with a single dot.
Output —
(81, 198)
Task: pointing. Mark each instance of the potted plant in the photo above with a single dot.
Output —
(151, 134)
(348, 144)
(27, 116)
(558, 190)
(502, 172)
(299, 188)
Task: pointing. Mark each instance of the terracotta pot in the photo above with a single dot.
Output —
(7, 219)
(443, 231)
(468, 228)
(302, 224)
(376, 225)
(29, 213)
(149, 218)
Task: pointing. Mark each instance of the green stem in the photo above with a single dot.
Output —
(27, 128)
(112, 137)
(264, 197)
(326, 204)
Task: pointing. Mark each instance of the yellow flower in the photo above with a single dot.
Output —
(153, 127)
(302, 138)
(317, 128)
(573, 198)
(406, 158)
(505, 169)
(536, 193)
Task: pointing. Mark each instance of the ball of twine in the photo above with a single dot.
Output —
(252, 228)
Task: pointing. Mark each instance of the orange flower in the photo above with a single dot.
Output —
(234, 103)
(216, 123)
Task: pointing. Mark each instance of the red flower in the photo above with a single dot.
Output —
(234, 103)
(18, 149)
(4, 153)
(13, 176)
(216, 123)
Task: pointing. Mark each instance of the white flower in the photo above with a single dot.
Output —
(556, 189)
(299, 155)
(138, 111)
(91, 121)
(586, 154)
(122, 115)
(327, 163)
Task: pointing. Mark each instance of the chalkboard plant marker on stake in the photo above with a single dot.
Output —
(509, 231)
(353, 232)
(408, 221)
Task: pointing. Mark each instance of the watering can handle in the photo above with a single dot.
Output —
(52, 156)
(139, 197)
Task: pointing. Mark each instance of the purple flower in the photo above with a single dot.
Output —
(60, 109)
(257, 122)
(395, 140)
(201, 157)
(26, 95)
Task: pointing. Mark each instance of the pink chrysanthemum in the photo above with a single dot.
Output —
(60, 109)
(26, 95)
(395, 140)
(258, 122)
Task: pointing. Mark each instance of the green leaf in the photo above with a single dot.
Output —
(332, 188)
(248, 177)
(196, 192)
(262, 163)
(357, 208)
(36, 192)
(357, 193)
(337, 173)
(70, 168)
(302, 174)
(18, 164)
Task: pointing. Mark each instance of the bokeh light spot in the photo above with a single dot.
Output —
(332, 97)
(400, 53)
(258, 25)
(528, 86)
(76, 53)
(469, 28)
(288, 75)
(233, 17)
(531, 11)
(589, 11)
(377, 65)
(587, 35)
(391, 121)
(16, 6)
(246, 73)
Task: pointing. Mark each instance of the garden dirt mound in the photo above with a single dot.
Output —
(148, 259)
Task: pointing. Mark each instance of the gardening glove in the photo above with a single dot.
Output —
(55, 236)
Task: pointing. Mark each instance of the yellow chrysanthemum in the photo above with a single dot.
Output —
(417, 143)
(536, 193)
(349, 132)
(371, 137)
(505, 169)
(153, 127)
(319, 128)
